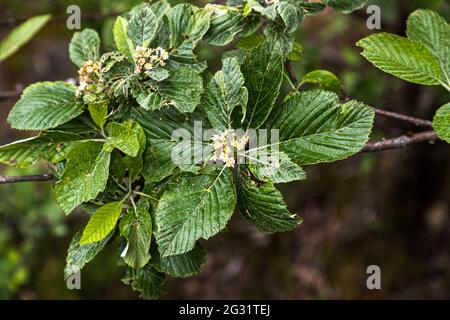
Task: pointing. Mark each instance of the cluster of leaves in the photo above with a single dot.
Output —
(110, 140)
(423, 57)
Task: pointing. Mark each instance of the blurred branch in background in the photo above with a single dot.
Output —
(94, 16)
(15, 179)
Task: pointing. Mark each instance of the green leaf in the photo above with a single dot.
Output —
(84, 177)
(158, 162)
(45, 105)
(187, 22)
(263, 73)
(49, 146)
(314, 127)
(150, 101)
(325, 79)
(225, 24)
(290, 15)
(283, 171)
(296, 54)
(21, 35)
(345, 6)
(122, 42)
(142, 27)
(123, 137)
(158, 74)
(84, 46)
(183, 265)
(193, 208)
(263, 205)
(441, 122)
(433, 31)
(136, 227)
(183, 89)
(99, 113)
(225, 91)
(102, 222)
(79, 254)
(250, 42)
(159, 127)
(184, 57)
(404, 58)
(149, 282)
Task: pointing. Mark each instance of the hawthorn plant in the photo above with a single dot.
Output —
(110, 138)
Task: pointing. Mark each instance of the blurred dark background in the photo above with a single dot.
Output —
(389, 209)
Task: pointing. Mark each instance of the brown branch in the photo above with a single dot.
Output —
(291, 73)
(95, 16)
(43, 177)
(416, 121)
(377, 146)
(400, 142)
(388, 114)
(7, 95)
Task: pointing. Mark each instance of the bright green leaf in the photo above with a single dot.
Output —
(102, 222)
(325, 79)
(441, 122)
(99, 113)
(121, 40)
(433, 31)
(21, 35)
(123, 137)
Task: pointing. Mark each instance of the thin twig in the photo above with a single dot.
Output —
(400, 142)
(8, 95)
(94, 16)
(416, 121)
(42, 177)
(291, 73)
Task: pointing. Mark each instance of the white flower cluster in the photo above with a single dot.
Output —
(148, 58)
(225, 145)
(271, 2)
(89, 74)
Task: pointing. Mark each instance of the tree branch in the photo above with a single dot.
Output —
(416, 121)
(389, 114)
(376, 146)
(43, 177)
(94, 16)
(290, 73)
(7, 95)
(400, 142)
